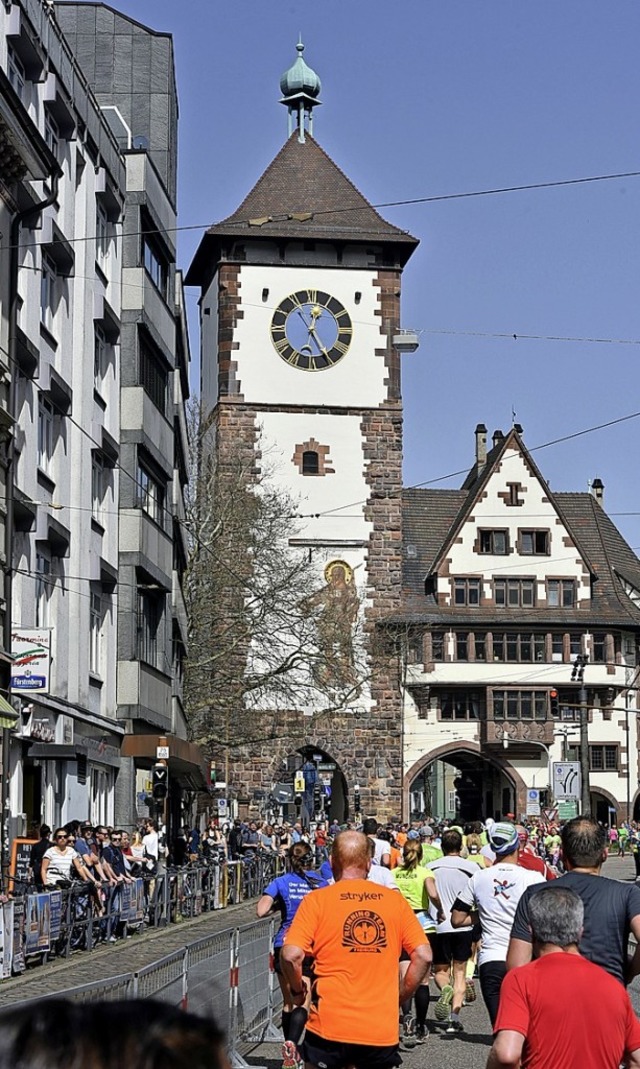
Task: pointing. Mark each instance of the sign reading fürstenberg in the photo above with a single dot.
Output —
(31, 653)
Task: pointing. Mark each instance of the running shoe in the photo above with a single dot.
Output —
(422, 1033)
(408, 1032)
(290, 1056)
(442, 1007)
(454, 1026)
(469, 992)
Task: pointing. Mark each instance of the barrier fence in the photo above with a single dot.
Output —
(228, 975)
(37, 926)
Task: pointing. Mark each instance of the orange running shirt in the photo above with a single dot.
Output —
(355, 931)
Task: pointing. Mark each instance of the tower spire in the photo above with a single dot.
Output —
(300, 88)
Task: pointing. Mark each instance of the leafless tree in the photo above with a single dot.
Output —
(268, 630)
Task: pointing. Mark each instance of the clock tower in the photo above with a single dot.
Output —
(300, 305)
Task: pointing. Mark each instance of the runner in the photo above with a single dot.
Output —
(356, 932)
(285, 893)
(494, 894)
(611, 908)
(448, 876)
(411, 880)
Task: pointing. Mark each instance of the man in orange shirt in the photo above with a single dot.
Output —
(356, 932)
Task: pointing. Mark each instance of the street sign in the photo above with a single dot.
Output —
(223, 808)
(566, 779)
(162, 753)
(567, 810)
(298, 783)
(533, 802)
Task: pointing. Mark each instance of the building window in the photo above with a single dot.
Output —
(525, 647)
(97, 487)
(575, 643)
(513, 494)
(461, 705)
(534, 543)
(154, 376)
(462, 646)
(520, 705)
(561, 593)
(43, 590)
(515, 593)
(494, 542)
(310, 462)
(151, 494)
(95, 632)
(437, 645)
(100, 357)
(45, 433)
(599, 647)
(102, 234)
(48, 288)
(149, 618)
(51, 133)
(602, 757)
(16, 72)
(153, 259)
(557, 646)
(481, 647)
(466, 591)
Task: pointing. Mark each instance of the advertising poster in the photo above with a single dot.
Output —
(56, 914)
(31, 656)
(19, 963)
(38, 924)
(7, 939)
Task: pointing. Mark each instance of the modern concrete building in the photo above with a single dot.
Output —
(131, 70)
(95, 340)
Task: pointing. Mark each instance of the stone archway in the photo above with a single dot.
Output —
(470, 754)
(317, 767)
(602, 802)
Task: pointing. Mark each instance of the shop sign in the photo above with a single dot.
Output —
(31, 658)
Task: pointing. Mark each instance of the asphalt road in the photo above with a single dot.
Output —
(469, 1049)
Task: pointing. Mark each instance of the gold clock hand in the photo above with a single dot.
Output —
(313, 334)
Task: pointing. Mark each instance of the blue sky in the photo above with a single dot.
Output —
(433, 97)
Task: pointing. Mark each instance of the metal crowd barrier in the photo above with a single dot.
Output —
(38, 926)
(228, 975)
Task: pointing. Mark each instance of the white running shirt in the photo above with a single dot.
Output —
(452, 875)
(495, 893)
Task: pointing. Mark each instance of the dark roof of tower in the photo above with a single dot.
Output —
(303, 194)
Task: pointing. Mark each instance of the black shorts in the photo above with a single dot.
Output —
(307, 964)
(451, 946)
(332, 1054)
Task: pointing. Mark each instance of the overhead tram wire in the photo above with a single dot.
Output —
(465, 471)
(407, 201)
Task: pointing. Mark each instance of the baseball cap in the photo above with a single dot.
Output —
(503, 838)
(413, 834)
(426, 833)
(86, 826)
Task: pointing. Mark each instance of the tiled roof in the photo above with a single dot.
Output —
(304, 181)
(428, 517)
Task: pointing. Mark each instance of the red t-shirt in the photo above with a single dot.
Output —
(534, 863)
(570, 1011)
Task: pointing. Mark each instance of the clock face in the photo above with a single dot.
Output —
(311, 330)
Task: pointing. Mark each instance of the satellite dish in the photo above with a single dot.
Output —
(141, 142)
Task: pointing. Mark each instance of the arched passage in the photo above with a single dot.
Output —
(324, 781)
(458, 781)
(604, 806)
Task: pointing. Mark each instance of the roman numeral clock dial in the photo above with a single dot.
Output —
(311, 330)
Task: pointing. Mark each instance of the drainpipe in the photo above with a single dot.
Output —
(5, 673)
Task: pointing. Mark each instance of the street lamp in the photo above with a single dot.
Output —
(577, 676)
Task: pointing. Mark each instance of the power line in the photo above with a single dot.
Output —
(407, 201)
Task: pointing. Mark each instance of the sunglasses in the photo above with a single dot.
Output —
(62, 836)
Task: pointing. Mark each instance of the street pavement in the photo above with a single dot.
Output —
(466, 1051)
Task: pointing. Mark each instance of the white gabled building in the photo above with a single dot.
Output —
(506, 584)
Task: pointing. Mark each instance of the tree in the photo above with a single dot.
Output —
(268, 628)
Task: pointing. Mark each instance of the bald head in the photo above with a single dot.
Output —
(350, 856)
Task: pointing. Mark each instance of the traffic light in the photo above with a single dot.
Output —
(554, 701)
(160, 782)
(317, 797)
(356, 799)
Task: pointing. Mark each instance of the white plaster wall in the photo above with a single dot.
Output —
(358, 379)
(491, 512)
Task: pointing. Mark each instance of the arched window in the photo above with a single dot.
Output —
(310, 462)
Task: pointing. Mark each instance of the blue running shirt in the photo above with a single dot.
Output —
(287, 893)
